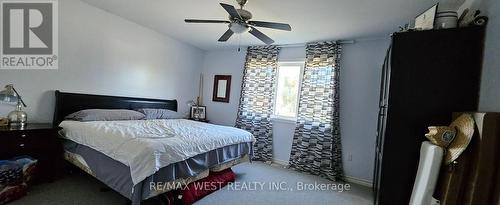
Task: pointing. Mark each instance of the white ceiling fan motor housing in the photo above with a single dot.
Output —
(238, 28)
(245, 15)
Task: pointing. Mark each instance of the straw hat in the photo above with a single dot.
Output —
(453, 138)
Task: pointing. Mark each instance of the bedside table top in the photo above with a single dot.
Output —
(29, 126)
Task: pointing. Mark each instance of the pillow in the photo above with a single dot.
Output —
(105, 115)
(152, 114)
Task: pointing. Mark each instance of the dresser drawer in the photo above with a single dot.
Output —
(32, 133)
(8, 145)
(35, 140)
(26, 143)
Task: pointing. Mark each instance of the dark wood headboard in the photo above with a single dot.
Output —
(67, 103)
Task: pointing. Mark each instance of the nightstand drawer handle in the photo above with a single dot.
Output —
(21, 145)
(23, 135)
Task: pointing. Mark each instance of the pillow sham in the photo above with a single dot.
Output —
(105, 115)
(152, 114)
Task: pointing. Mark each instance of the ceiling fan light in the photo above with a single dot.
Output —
(238, 28)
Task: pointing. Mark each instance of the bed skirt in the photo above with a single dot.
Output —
(116, 175)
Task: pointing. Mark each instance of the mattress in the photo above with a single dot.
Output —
(130, 156)
(146, 146)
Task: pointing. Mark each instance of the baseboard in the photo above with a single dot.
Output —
(280, 162)
(362, 182)
(354, 180)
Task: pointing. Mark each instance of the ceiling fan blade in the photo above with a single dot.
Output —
(231, 10)
(205, 21)
(261, 36)
(280, 26)
(226, 35)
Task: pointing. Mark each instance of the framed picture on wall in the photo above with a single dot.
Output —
(222, 88)
(425, 21)
(198, 113)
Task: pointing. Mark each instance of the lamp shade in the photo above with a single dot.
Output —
(9, 95)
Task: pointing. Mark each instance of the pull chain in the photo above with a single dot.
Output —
(239, 43)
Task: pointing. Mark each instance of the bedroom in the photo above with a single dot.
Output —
(145, 49)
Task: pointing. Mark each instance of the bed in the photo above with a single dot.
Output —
(128, 156)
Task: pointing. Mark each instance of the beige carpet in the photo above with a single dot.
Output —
(257, 183)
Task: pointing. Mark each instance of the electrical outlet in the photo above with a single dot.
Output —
(349, 158)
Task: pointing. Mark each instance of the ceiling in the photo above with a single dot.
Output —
(311, 20)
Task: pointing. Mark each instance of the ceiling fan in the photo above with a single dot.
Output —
(239, 22)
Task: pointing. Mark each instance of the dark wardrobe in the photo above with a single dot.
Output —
(427, 76)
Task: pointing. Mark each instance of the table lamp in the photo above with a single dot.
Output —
(10, 95)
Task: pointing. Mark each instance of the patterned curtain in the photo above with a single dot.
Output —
(316, 143)
(257, 98)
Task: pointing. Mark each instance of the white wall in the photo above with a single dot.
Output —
(359, 99)
(490, 84)
(104, 54)
(361, 67)
(225, 62)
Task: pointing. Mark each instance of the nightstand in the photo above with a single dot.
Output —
(38, 141)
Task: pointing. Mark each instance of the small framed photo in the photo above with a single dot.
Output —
(425, 21)
(198, 113)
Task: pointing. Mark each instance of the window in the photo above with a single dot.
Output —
(288, 86)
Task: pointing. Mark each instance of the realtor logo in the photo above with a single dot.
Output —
(29, 35)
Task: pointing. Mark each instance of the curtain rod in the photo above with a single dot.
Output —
(304, 44)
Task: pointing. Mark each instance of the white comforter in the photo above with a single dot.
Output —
(148, 145)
